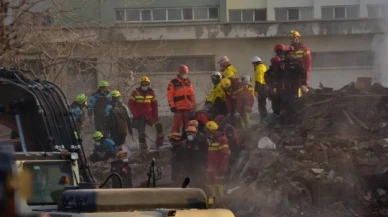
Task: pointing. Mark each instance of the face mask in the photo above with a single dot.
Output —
(190, 137)
(184, 76)
(98, 143)
(144, 88)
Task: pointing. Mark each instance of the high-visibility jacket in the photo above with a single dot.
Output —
(229, 72)
(218, 154)
(259, 74)
(181, 94)
(216, 97)
(302, 53)
(143, 104)
(239, 99)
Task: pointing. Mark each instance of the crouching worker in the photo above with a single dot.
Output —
(121, 166)
(104, 148)
(217, 160)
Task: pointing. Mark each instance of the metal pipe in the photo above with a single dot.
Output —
(20, 129)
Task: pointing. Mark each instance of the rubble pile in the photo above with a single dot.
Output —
(334, 162)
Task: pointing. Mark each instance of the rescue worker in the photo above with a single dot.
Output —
(239, 102)
(227, 69)
(279, 50)
(232, 135)
(177, 157)
(291, 77)
(202, 117)
(78, 108)
(121, 166)
(216, 98)
(118, 119)
(301, 52)
(193, 123)
(247, 80)
(217, 160)
(104, 148)
(195, 146)
(97, 104)
(144, 108)
(181, 98)
(271, 80)
(260, 86)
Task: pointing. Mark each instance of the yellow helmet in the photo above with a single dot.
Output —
(115, 93)
(211, 125)
(145, 79)
(81, 98)
(174, 136)
(226, 83)
(293, 33)
(97, 135)
(104, 84)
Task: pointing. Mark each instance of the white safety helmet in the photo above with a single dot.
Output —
(246, 79)
(223, 59)
(216, 75)
(256, 59)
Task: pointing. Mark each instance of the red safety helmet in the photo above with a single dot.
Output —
(280, 47)
(275, 60)
(183, 69)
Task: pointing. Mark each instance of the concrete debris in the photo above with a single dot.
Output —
(333, 163)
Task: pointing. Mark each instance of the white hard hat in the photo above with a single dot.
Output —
(223, 59)
(216, 74)
(256, 59)
(246, 79)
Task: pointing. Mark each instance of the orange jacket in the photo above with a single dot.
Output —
(240, 99)
(218, 154)
(143, 104)
(302, 52)
(181, 94)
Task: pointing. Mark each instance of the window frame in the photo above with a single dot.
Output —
(380, 10)
(253, 15)
(166, 14)
(299, 13)
(368, 54)
(346, 11)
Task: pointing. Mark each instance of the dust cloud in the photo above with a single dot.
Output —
(380, 48)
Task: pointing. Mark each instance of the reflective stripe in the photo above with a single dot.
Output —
(142, 99)
(217, 147)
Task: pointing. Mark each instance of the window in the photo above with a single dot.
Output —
(120, 15)
(378, 11)
(343, 59)
(159, 14)
(344, 12)
(170, 14)
(201, 13)
(169, 64)
(305, 13)
(132, 15)
(146, 15)
(187, 13)
(247, 15)
(174, 14)
(49, 181)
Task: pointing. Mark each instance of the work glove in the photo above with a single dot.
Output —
(304, 88)
(173, 109)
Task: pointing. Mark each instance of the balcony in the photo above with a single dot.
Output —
(192, 31)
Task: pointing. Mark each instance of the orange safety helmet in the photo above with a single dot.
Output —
(183, 69)
(279, 47)
(191, 129)
(193, 123)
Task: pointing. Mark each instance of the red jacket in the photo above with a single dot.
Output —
(143, 104)
(218, 154)
(181, 94)
(302, 52)
(240, 99)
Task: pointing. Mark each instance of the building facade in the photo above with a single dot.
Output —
(343, 35)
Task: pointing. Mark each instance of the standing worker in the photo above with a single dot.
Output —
(97, 104)
(260, 86)
(181, 98)
(301, 52)
(78, 108)
(216, 98)
(227, 69)
(279, 50)
(291, 78)
(272, 80)
(239, 102)
(118, 119)
(217, 160)
(144, 108)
